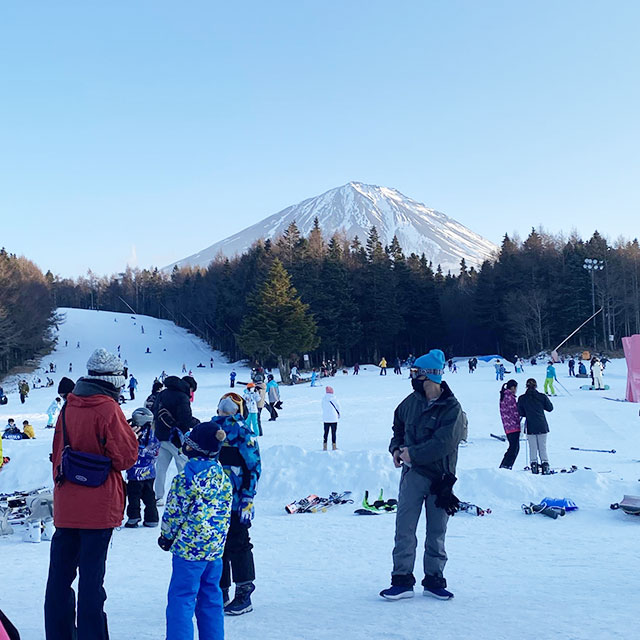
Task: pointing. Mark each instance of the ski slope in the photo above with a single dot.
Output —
(318, 575)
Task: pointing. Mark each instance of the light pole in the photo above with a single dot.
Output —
(592, 265)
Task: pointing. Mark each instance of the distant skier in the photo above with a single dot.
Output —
(78, 345)
(356, 369)
(510, 421)
(499, 367)
(251, 400)
(314, 377)
(133, 385)
(71, 367)
(211, 362)
(184, 368)
(142, 328)
(330, 418)
(232, 379)
(295, 375)
(383, 366)
(548, 381)
(273, 396)
(397, 367)
(23, 389)
(572, 367)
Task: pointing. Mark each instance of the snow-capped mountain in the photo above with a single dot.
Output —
(353, 209)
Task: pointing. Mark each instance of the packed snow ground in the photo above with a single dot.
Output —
(318, 575)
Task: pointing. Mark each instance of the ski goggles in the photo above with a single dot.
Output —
(419, 372)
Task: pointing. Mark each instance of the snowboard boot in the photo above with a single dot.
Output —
(534, 468)
(242, 601)
(546, 470)
(334, 446)
(132, 523)
(397, 592)
(324, 446)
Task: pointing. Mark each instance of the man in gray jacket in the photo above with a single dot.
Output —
(427, 428)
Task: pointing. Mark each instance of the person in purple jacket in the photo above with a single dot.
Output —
(510, 421)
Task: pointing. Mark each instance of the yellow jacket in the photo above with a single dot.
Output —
(383, 363)
(28, 431)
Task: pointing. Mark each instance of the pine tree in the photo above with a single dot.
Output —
(278, 323)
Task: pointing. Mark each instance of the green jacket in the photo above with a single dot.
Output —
(432, 433)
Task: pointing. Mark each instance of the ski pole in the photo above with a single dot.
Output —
(565, 388)
(596, 450)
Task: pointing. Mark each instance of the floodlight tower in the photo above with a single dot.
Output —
(592, 265)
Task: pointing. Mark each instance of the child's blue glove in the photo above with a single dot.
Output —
(245, 510)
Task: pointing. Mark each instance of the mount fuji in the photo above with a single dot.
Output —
(353, 209)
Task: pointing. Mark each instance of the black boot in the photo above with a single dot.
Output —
(534, 468)
(242, 601)
(546, 470)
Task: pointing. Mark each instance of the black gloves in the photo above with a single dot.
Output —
(442, 489)
(164, 543)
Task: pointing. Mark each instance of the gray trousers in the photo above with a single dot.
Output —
(167, 453)
(414, 493)
(538, 445)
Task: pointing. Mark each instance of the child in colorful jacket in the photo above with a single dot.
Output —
(240, 459)
(194, 528)
(510, 421)
(142, 475)
(251, 398)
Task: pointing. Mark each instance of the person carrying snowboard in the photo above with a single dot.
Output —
(548, 381)
(531, 405)
(510, 421)
(428, 426)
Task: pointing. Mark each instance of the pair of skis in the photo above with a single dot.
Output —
(314, 504)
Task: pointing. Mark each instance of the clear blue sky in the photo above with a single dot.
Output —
(154, 128)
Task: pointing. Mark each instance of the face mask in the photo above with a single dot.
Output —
(417, 385)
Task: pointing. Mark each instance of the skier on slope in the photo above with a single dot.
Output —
(133, 385)
(427, 428)
(240, 459)
(548, 381)
(572, 367)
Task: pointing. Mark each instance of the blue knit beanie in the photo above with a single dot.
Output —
(204, 441)
(432, 364)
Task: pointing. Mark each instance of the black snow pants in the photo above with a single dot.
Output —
(142, 490)
(513, 450)
(237, 559)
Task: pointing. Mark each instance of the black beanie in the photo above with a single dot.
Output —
(66, 385)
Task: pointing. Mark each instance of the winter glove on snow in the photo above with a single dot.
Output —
(164, 543)
(443, 491)
(245, 510)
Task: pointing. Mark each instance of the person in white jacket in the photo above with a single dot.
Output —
(53, 411)
(330, 416)
(598, 383)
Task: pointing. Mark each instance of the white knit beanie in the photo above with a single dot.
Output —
(106, 366)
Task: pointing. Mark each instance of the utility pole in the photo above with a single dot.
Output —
(592, 265)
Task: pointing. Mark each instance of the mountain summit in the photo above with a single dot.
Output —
(353, 209)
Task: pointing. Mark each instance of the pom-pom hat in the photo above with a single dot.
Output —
(204, 441)
(106, 366)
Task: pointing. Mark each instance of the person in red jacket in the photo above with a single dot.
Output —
(86, 516)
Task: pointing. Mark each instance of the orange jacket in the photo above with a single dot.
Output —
(95, 424)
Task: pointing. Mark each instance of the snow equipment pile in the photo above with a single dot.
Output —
(629, 504)
(313, 503)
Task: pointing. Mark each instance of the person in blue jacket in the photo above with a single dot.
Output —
(133, 385)
(548, 381)
(194, 529)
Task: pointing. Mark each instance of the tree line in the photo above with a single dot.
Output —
(27, 312)
(357, 302)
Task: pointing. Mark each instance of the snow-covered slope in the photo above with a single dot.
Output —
(318, 575)
(353, 209)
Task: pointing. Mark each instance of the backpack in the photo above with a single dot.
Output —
(165, 419)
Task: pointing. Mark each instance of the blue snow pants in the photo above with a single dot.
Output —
(195, 586)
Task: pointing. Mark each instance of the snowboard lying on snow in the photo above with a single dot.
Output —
(313, 503)
(629, 504)
(590, 387)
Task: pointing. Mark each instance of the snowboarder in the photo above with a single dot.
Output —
(85, 517)
(314, 377)
(52, 412)
(572, 367)
(532, 405)
(211, 362)
(232, 379)
(510, 421)
(548, 381)
(240, 459)
(133, 385)
(330, 417)
(356, 369)
(141, 476)
(184, 368)
(383, 366)
(198, 509)
(428, 426)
